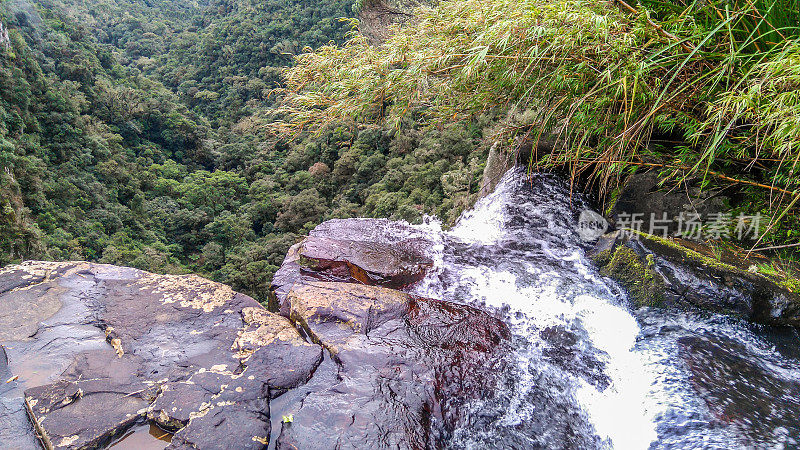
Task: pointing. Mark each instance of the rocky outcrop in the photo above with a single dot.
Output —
(98, 349)
(352, 251)
(4, 40)
(95, 350)
(368, 251)
(642, 195)
(404, 364)
(667, 273)
(497, 164)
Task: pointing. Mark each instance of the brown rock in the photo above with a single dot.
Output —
(390, 265)
(331, 313)
(405, 366)
(365, 251)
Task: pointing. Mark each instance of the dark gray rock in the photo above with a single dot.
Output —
(742, 390)
(96, 352)
(101, 349)
(96, 400)
(286, 277)
(3, 362)
(665, 272)
(405, 366)
(641, 194)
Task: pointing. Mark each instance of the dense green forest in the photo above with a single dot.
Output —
(136, 133)
(209, 136)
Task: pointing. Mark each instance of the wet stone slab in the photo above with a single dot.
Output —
(405, 366)
(99, 349)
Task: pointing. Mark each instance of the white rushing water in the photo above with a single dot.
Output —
(589, 373)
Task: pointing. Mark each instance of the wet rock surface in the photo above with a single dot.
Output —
(744, 392)
(565, 352)
(376, 252)
(661, 272)
(400, 366)
(95, 352)
(368, 251)
(404, 367)
(113, 347)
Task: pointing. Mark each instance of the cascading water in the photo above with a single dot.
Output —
(589, 372)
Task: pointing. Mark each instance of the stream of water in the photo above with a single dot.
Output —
(591, 372)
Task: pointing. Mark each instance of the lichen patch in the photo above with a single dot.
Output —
(189, 291)
(264, 328)
(67, 441)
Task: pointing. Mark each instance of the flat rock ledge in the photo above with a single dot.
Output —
(98, 349)
(91, 351)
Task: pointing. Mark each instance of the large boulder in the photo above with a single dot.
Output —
(669, 273)
(98, 349)
(391, 265)
(368, 251)
(404, 365)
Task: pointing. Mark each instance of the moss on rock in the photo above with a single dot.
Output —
(680, 252)
(694, 276)
(634, 274)
(792, 284)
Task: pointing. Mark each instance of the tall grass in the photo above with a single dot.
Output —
(705, 89)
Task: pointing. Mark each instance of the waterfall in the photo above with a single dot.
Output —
(589, 371)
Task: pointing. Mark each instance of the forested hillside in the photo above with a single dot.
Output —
(137, 133)
(80, 132)
(208, 136)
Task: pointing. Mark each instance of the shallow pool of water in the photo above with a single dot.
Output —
(147, 436)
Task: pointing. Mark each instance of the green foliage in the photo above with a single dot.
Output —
(785, 272)
(100, 160)
(707, 89)
(77, 134)
(141, 133)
